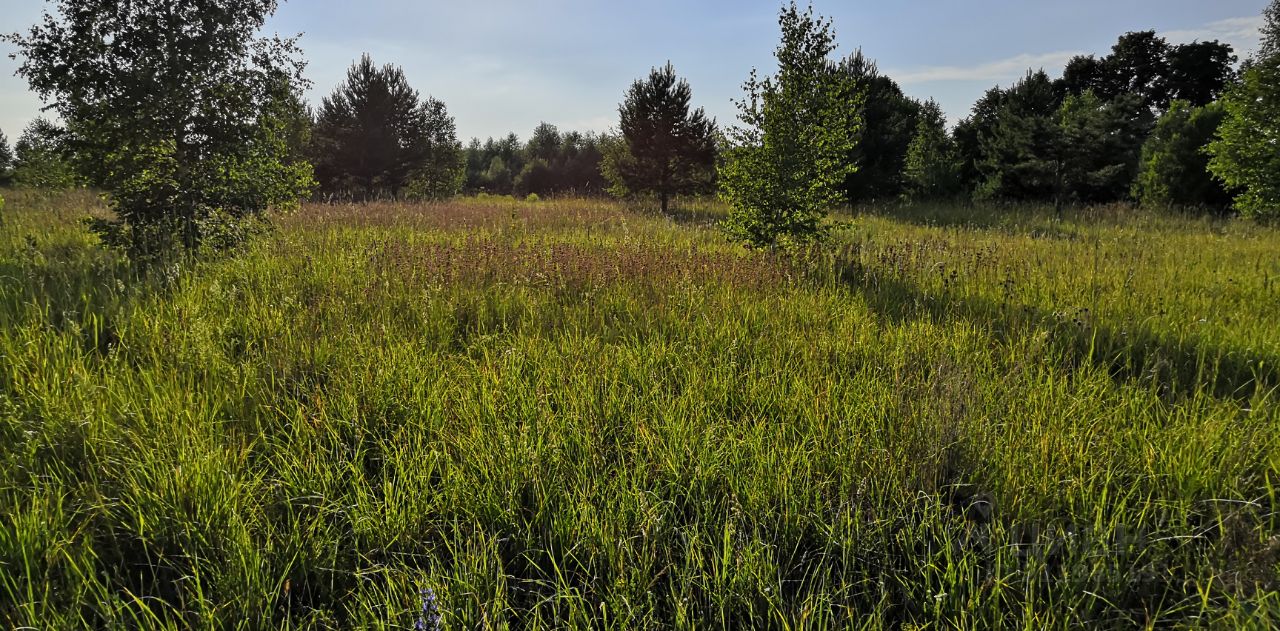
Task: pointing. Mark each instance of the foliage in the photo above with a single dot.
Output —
(6, 159)
(492, 168)
(1139, 65)
(1021, 149)
(1200, 72)
(785, 163)
(664, 147)
(375, 136)
(932, 169)
(544, 144)
(534, 177)
(1144, 64)
(1035, 147)
(569, 164)
(888, 125)
(443, 166)
(1245, 155)
(169, 109)
(970, 134)
(1175, 164)
(42, 158)
(1100, 147)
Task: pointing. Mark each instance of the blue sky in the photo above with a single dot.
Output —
(506, 65)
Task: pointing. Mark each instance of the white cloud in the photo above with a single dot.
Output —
(1001, 70)
(1242, 33)
(1228, 29)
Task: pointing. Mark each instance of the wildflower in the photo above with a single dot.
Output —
(429, 618)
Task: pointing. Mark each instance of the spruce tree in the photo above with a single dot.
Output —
(932, 169)
(787, 161)
(665, 147)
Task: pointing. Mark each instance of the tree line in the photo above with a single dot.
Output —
(183, 149)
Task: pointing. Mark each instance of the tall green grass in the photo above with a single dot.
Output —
(569, 414)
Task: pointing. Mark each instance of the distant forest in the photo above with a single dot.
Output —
(1169, 126)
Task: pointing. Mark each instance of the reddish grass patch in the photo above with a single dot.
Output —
(485, 261)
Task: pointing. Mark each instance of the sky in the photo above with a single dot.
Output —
(507, 65)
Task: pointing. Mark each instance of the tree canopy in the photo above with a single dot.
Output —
(1175, 164)
(168, 106)
(6, 158)
(932, 167)
(41, 157)
(789, 156)
(888, 125)
(1245, 156)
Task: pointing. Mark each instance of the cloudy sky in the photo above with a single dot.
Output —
(506, 65)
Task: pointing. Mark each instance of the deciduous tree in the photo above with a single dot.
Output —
(169, 108)
(787, 160)
(1175, 163)
(1247, 154)
(932, 170)
(6, 159)
(41, 157)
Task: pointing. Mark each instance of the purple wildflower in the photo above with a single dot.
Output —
(429, 619)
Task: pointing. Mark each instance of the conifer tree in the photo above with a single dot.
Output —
(932, 169)
(374, 136)
(665, 148)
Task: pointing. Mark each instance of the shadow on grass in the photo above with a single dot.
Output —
(75, 287)
(1032, 219)
(1132, 353)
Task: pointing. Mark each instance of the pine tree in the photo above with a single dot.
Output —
(1021, 142)
(1247, 154)
(375, 136)
(787, 161)
(665, 148)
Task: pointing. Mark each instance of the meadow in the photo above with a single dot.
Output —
(578, 414)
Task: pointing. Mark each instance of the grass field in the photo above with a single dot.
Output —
(568, 414)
